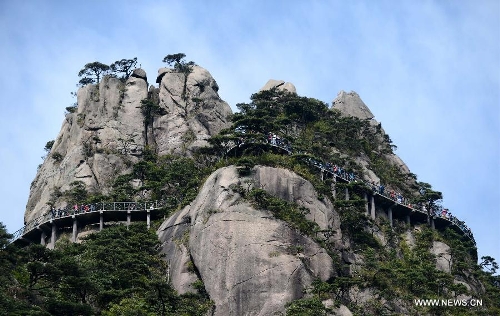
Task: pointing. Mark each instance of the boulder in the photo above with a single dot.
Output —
(139, 73)
(249, 261)
(161, 73)
(280, 85)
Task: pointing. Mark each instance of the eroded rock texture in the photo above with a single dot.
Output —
(97, 142)
(250, 262)
(194, 110)
(107, 133)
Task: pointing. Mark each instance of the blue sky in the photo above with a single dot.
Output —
(428, 70)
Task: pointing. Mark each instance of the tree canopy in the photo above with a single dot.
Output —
(123, 68)
(115, 272)
(311, 127)
(178, 63)
(92, 72)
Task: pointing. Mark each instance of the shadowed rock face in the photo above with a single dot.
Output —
(106, 134)
(245, 256)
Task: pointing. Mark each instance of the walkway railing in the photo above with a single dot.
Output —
(86, 209)
(335, 171)
(352, 178)
(402, 202)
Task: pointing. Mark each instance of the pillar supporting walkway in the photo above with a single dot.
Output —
(46, 228)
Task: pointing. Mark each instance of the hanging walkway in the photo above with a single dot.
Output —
(376, 201)
(47, 228)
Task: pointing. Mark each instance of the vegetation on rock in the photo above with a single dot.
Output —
(93, 72)
(178, 63)
(123, 68)
(311, 128)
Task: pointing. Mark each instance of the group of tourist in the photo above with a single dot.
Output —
(276, 140)
(72, 210)
(86, 208)
(391, 194)
(436, 211)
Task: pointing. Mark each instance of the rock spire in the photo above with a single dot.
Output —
(107, 133)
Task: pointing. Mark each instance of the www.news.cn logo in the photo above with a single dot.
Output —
(450, 302)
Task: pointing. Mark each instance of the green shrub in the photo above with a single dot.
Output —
(286, 211)
(306, 307)
(71, 109)
(57, 157)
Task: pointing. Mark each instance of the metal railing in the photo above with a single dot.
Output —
(76, 210)
(142, 206)
(350, 177)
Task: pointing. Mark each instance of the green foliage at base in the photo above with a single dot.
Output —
(115, 272)
(398, 272)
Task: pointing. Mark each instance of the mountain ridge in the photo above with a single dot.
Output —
(181, 142)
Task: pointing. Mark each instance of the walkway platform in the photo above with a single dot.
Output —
(49, 226)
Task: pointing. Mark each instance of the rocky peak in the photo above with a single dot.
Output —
(194, 110)
(140, 73)
(350, 104)
(107, 132)
(280, 85)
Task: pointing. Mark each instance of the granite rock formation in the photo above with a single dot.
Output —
(350, 104)
(245, 256)
(280, 85)
(250, 262)
(106, 134)
(194, 110)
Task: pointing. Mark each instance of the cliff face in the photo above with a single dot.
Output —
(107, 133)
(101, 139)
(250, 263)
